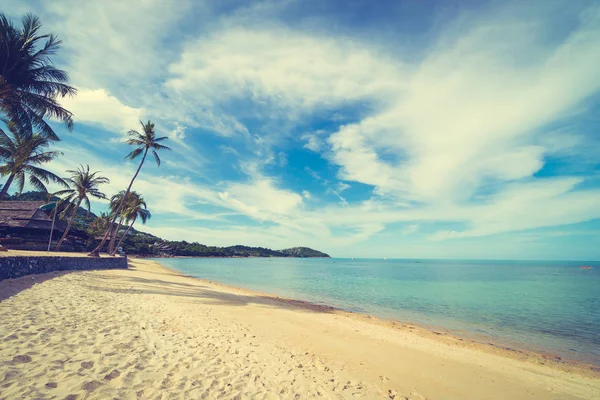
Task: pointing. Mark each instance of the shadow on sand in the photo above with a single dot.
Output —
(11, 287)
(138, 285)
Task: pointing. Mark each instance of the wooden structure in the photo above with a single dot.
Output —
(24, 226)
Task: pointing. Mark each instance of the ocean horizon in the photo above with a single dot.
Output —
(536, 305)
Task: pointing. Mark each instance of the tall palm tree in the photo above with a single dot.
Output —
(22, 153)
(144, 142)
(30, 85)
(83, 183)
(135, 208)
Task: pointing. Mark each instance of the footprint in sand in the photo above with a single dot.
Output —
(91, 386)
(114, 374)
(21, 359)
(87, 364)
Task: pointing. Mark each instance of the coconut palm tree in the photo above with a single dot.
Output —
(100, 224)
(115, 201)
(134, 208)
(83, 183)
(21, 154)
(30, 85)
(144, 142)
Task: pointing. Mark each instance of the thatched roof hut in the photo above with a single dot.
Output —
(23, 225)
(26, 215)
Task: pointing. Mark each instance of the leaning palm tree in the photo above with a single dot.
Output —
(22, 153)
(115, 202)
(144, 142)
(83, 183)
(135, 208)
(30, 85)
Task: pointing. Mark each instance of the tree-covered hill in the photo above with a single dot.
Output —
(303, 252)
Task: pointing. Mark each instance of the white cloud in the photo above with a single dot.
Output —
(470, 111)
(410, 229)
(114, 42)
(343, 186)
(178, 132)
(314, 142)
(99, 107)
(283, 71)
(260, 199)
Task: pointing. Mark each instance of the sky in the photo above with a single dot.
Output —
(410, 128)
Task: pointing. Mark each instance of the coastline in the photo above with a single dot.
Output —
(480, 342)
(147, 330)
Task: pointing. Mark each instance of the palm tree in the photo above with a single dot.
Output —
(115, 201)
(83, 184)
(144, 142)
(30, 85)
(135, 208)
(100, 224)
(22, 153)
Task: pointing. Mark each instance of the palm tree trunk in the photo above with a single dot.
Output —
(6, 186)
(64, 236)
(96, 251)
(125, 234)
(113, 238)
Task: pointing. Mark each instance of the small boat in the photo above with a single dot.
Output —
(586, 267)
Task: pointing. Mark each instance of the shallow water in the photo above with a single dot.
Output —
(546, 306)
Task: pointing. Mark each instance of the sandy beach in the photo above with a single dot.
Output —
(150, 333)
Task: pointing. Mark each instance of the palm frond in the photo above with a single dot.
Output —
(156, 157)
(37, 183)
(63, 192)
(20, 181)
(158, 146)
(134, 154)
(87, 204)
(45, 175)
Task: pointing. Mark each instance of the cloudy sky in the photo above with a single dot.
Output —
(409, 128)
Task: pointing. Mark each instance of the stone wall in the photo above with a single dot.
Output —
(16, 266)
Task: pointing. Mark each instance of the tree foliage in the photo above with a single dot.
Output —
(30, 85)
(22, 153)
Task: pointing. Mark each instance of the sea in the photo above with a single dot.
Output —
(545, 306)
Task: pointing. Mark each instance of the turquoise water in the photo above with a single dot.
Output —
(537, 305)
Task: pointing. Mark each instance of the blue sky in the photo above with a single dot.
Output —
(427, 129)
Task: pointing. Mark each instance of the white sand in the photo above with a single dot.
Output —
(149, 333)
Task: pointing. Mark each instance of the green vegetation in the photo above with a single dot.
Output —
(145, 244)
(303, 252)
(23, 153)
(82, 184)
(134, 208)
(143, 142)
(30, 85)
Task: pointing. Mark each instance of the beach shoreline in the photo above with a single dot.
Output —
(149, 329)
(481, 342)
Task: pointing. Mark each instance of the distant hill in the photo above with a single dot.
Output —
(303, 252)
(142, 243)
